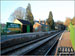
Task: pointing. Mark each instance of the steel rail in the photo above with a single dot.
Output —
(31, 47)
(50, 48)
(21, 45)
(46, 47)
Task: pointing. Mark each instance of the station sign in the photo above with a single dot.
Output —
(13, 26)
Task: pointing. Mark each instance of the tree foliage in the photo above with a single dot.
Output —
(50, 21)
(29, 15)
(67, 22)
(73, 21)
(19, 13)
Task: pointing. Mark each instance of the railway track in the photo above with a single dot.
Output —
(26, 48)
(45, 49)
(18, 39)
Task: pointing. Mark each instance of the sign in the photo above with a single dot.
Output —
(13, 26)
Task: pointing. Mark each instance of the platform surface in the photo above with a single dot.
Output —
(64, 41)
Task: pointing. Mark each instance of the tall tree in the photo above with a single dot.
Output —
(19, 13)
(29, 15)
(50, 21)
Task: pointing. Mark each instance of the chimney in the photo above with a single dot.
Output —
(46, 23)
(43, 22)
(39, 20)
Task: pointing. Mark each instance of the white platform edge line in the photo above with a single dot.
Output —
(61, 36)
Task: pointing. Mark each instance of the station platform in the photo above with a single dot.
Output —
(64, 46)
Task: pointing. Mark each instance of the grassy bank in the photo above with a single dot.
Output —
(72, 35)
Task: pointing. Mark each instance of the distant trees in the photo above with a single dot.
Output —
(50, 21)
(67, 22)
(73, 21)
(29, 15)
(19, 13)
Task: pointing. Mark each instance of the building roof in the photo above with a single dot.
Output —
(24, 22)
(40, 22)
(44, 25)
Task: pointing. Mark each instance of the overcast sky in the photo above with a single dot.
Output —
(40, 9)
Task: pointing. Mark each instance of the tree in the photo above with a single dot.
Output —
(73, 21)
(50, 21)
(67, 22)
(29, 15)
(19, 13)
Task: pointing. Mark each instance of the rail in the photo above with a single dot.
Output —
(27, 47)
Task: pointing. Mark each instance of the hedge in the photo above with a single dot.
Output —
(72, 34)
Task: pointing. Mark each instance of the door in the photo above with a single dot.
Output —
(31, 28)
(28, 28)
(24, 29)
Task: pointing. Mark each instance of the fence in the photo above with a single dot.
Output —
(72, 34)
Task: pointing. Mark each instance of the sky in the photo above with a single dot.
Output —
(40, 9)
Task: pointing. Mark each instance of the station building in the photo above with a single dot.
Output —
(26, 26)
